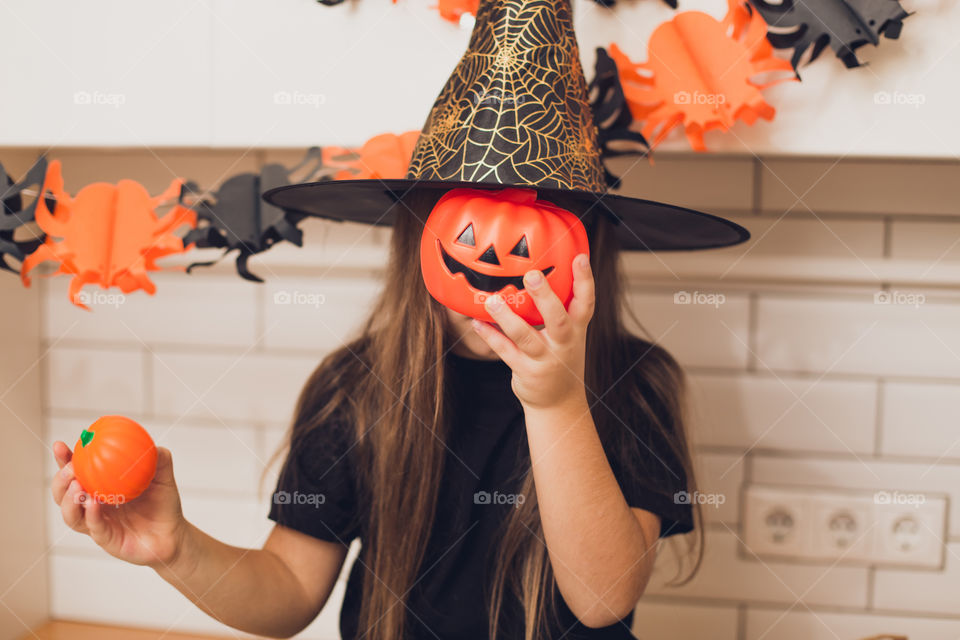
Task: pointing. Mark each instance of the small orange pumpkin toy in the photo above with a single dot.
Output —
(478, 242)
(115, 460)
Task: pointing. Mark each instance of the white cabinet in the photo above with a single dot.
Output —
(252, 73)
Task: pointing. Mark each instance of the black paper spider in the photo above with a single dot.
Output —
(238, 219)
(846, 25)
(612, 116)
(14, 215)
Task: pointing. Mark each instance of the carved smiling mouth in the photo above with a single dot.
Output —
(482, 281)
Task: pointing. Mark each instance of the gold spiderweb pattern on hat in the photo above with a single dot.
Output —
(515, 109)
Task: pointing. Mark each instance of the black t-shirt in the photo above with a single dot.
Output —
(487, 452)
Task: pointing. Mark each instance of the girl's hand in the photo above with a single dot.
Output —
(147, 531)
(547, 365)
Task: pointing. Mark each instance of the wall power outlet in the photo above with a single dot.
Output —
(895, 528)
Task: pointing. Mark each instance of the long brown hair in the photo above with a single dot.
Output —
(389, 382)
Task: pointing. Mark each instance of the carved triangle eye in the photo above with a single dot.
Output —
(466, 236)
(521, 248)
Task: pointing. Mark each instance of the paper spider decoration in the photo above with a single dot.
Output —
(107, 234)
(381, 157)
(14, 215)
(237, 219)
(846, 25)
(612, 116)
(699, 74)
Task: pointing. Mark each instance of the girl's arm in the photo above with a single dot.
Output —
(601, 550)
(274, 591)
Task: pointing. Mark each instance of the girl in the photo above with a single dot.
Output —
(505, 481)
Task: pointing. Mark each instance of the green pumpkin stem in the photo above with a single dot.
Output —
(86, 437)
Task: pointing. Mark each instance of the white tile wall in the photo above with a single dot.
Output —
(867, 187)
(89, 379)
(658, 620)
(920, 419)
(930, 241)
(858, 336)
(799, 622)
(727, 576)
(806, 383)
(239, 386)
(796, 413)
(705, 335)
(299, 312)
(720, 475)
(921, 591)
(188, 314)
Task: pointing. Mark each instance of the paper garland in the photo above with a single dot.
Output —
(110, 235)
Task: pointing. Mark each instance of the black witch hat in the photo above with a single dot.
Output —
(515, 112)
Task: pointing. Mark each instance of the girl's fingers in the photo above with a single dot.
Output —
(501, 344)
(71, 507)
(61, 453)
(514, 327)
(581, 307)
(555, 317)
(95, 522)
(61, 481)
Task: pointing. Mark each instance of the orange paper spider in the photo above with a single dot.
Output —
(701, 73)
(108, 234)
(381, 157)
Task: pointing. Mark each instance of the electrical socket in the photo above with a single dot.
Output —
(776, 523)
(851, 527)
(911, 534)
(842, 526)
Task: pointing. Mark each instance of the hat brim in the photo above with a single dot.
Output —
(642, 225)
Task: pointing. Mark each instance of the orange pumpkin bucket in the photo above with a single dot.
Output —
(477, 243)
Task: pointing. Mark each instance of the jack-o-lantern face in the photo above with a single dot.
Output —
(478, 242)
